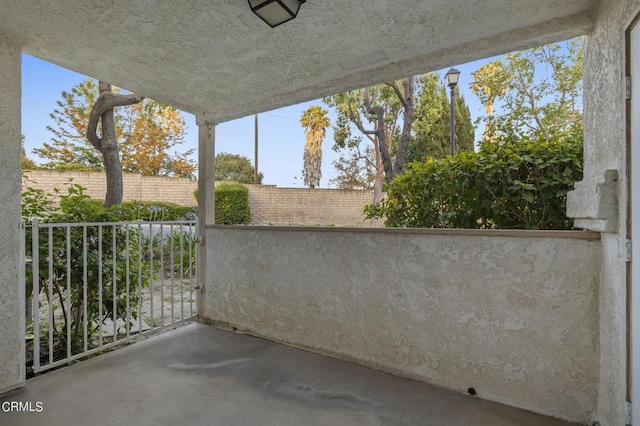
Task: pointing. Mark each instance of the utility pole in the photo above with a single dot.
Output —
(255, 154)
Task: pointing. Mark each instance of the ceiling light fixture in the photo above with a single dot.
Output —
(275, 12)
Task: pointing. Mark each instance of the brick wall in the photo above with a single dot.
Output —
(269, 204)
(303, 206)
(136, 187)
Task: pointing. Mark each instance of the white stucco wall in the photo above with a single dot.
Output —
(216, 59)
(605, 149)
(11, 310)
(514, 317)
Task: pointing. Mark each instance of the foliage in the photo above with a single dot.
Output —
(26, 162)
(152, 211)
(404, 120)
(232, 204)
(378, 113)
(356, 169)
(432, 123)
(505, 185)
(36, 203)
(532, 104)
(151, 131)
(107, 252)
(235, 168)
(184, 249)
(110, 252)
(69, 145)
(315, 122)
(147, 134)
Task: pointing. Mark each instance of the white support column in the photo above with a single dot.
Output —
(206, 201)
(12, 363)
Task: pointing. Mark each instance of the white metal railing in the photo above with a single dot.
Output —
(96, 285)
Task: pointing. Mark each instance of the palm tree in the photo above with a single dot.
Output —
(315, 122)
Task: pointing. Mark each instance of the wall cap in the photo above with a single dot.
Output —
(519, 233)
(594, 202)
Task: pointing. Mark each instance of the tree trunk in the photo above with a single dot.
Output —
(107, 142)
(377, 184)
(379, 131)
(111, 158)
(377, 187)
(405, 137)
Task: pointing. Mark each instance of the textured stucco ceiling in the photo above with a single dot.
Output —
(216, 59)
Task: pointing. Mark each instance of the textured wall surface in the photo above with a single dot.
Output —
(11, 307)
(269, 204)
(604, 119)
(217, 59)
(514, 317)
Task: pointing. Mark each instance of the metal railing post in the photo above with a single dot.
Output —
(35, 262)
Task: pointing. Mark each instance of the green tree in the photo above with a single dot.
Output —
(384, 115)
(538, 92)
(69, 148)
(235, 168)
(465, 131)
(139, 138)
(315, 122)
(150, 131)
(432, 123)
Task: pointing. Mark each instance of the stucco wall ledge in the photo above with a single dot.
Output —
(593, 203)
(520, 233)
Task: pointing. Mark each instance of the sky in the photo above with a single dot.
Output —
(281, 137)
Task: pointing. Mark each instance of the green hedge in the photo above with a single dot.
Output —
(152, 211)
(519, 185)
(232, 204)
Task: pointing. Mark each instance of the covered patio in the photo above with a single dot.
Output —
(201, 375)
(541, 321)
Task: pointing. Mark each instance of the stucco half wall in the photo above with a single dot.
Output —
(512, 314)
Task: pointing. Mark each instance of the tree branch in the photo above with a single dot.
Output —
(355, 119)
(399, 93)
(107, 101)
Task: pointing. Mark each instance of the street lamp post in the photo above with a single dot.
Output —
(452, 77)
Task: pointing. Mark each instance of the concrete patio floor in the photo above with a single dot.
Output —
(200, 375)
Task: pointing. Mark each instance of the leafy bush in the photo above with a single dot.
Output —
(92, 272)
(520, 185)
(67, 250)
(152, 211)
(232, 204)
(184, 253)
(78, 207)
